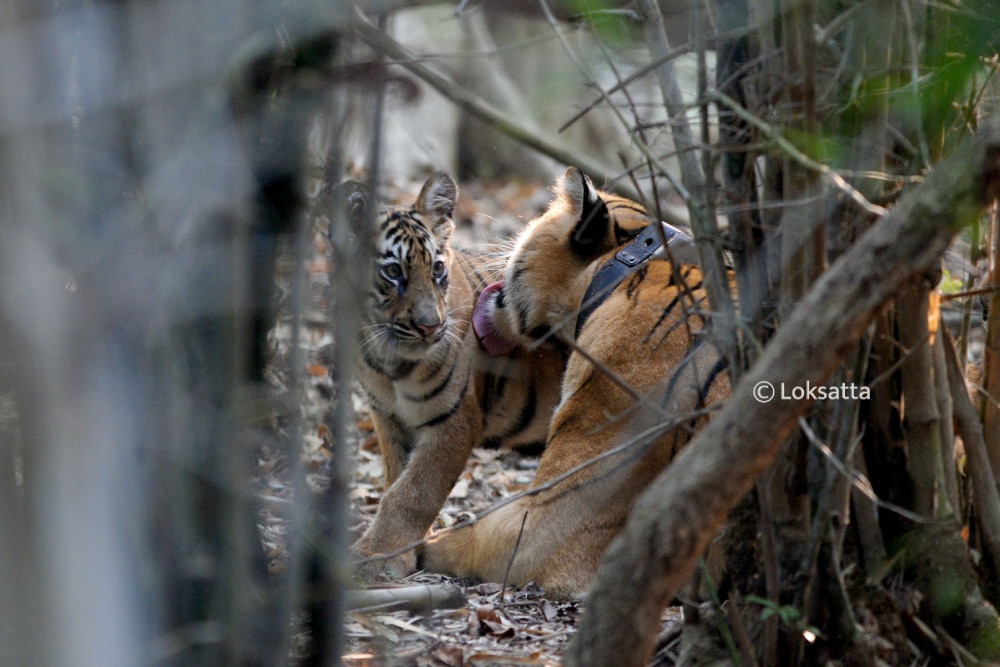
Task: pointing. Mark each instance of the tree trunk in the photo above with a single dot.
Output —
(921, 421)
(991, 378)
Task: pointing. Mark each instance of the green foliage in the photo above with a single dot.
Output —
(613, 25)
(789, 616)
(949, 285)
(960, 36)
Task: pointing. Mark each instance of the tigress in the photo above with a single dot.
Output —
(641, 361)
(433, 392)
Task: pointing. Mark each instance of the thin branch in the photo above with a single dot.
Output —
(635, 135)
(471, 103)
(858, 480)
(672, 54)
(794, 153)
(513, 555)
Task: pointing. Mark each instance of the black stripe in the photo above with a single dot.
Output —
(436, 389)
(447, 414)
(526, 415)
(398, 372)
(625, 234)
(635, 280)
(431, 370)
(542, 333)
(535, 448)
(493, 388)
(493, 442)
(663, 316)
(484, 397)
(679, 323)
(719, 367)
(678, 371)
(617, 203)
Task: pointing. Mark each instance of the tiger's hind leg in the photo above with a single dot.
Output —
(529, 540)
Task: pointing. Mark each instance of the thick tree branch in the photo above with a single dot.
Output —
(674, 520)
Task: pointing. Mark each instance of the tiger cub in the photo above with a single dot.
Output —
(642, 362)
(434, 393)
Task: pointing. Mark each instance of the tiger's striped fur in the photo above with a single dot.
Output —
(433, 393)
(649, 334)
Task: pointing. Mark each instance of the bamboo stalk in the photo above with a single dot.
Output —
(920, 413)
(984, 491)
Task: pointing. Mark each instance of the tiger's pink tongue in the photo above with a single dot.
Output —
(488, 336)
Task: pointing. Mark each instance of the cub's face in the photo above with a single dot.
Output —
(406, 310)
(551, 264)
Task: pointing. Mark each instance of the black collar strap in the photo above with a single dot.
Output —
(647, 244)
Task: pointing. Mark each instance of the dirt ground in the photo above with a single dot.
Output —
(490, 625)
(487, 625)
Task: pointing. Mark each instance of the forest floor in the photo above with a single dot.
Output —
(490, 625)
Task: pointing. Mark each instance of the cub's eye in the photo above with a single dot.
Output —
(438, 269)
(392, 270)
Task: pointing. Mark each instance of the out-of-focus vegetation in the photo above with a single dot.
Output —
(163, 163)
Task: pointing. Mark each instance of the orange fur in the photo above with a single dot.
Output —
(433, 392)
(649, 332)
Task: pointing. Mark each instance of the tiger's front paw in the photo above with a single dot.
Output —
(387, 569)
(382, 569)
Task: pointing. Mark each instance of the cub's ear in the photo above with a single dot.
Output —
(437, 202)
(587, 239)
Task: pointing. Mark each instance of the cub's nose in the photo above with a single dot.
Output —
(428, 328)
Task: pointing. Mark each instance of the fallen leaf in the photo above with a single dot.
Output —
(316, 370)
(447, 655)
(504, 659)
(461, 488)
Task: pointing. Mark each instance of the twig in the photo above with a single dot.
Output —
(624, 83)
(510, 563)
(414, 599)
(911, 41)
(784, 144)
(703, 222)
(473, 104)
(859, 481)
(973, 292)
(673, 100)
(740, 630)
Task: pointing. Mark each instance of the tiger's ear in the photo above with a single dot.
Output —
(589, 234)
(437, 203)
